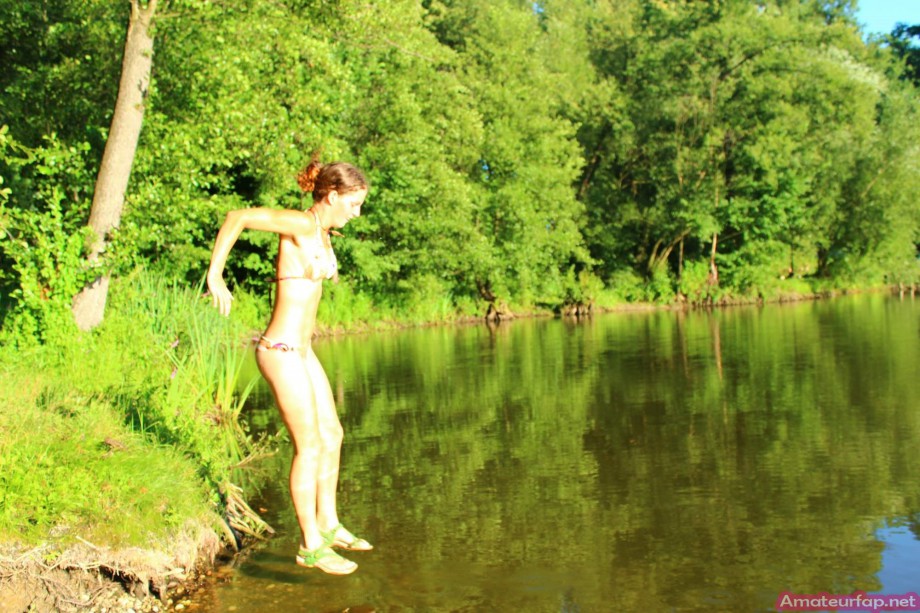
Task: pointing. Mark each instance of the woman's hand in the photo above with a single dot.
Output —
(220, 294)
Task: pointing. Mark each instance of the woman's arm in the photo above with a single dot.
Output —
(267, 220)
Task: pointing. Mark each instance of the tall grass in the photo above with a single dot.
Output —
(132, 429)
(422, 300)
(200, 408)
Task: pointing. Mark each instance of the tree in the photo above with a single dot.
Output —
(120, 148)
(902, 42)
(59, 68)
(530, 247)
(740, 138)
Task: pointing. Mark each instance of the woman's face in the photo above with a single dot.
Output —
(347, 206)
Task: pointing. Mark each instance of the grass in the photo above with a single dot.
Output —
(423, 301)
(71, 469)
(124, 436)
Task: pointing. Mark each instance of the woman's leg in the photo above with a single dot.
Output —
(292, 387)
(330, 434)
(330, 437)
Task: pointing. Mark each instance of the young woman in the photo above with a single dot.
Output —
(284, 354)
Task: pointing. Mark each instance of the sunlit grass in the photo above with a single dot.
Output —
(424, 301)
(70, 467)
(125, 434)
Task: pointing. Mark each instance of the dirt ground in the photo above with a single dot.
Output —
(92, 579)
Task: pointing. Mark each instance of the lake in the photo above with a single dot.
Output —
(634, 461)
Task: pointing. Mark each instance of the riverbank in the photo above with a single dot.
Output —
(93, 515)
(118, 449)
(86, 577)
(121, 452)
(607, 301)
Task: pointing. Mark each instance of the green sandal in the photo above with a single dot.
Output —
(326, 560)
(357, 544)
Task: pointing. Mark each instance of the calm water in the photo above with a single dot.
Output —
(665, 461)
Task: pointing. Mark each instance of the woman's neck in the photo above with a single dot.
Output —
(321, 210)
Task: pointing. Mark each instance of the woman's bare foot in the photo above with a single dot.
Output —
(343, 539)
(325, 559)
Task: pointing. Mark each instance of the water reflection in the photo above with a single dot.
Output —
(698, 461)
(901, 556)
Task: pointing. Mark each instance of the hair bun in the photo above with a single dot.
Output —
(306, 178)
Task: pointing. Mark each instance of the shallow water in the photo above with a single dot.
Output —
(664, 461)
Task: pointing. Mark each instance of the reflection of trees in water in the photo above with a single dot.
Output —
(650, 460)
(914, 525)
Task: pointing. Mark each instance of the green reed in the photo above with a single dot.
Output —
(206, 392)
(206, 376)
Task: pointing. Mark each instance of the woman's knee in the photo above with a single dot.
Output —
(306, 456)
(308, 442)
(332, 436)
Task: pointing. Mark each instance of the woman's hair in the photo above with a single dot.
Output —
(323, 178)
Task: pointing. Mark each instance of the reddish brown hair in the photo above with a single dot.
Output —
(323, 178)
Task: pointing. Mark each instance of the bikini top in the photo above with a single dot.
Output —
(321, 262)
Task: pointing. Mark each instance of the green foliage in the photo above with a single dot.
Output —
(43, 209)
(628, 286)
(187, 390)
(732, 130)
(695, 283)
(903, 41)
(517, 155)
(60, 68)
(428, 298)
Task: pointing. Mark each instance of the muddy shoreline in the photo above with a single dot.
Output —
(85, 577)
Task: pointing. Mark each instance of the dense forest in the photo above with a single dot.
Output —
(522, 155)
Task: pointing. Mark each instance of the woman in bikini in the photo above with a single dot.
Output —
(284, 353)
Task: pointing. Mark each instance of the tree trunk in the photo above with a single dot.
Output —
(713, 278)
(713, 269)
(595, 161)
(120, 147)
(680, 261)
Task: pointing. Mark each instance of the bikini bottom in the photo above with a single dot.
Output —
(267, 344)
